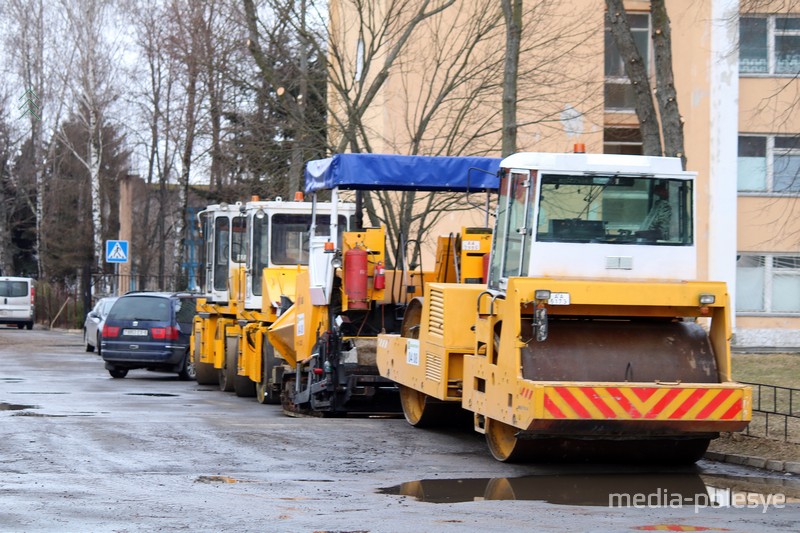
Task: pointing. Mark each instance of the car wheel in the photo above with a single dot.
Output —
(29, 325)
(118, 373)
(188, 372)
(20, 325)
(98, 344)
(89, 347)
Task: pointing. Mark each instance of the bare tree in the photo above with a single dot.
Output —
(154, 101)
(512, 14)
(636, 69)
(6, 198)
(448, 87)
(39, 68)
(289, 58)
(435, 64)
(671, 126)
(93, 92)
(666, 95)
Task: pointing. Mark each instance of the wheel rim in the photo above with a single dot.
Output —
(503, 443)
(261, 392)
(412, 319)
(190, 368)
(413, 403)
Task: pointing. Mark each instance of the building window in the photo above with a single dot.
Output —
(768, 284)
(769, 45)
(619, 94)
(622, 141)
(769, 164)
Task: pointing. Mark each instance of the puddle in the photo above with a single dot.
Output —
(608, 490)
(156, 394)
(36, 392)
(15, 407)
(38, 415)
(220, 479)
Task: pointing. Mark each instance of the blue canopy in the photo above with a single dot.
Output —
(402, 173)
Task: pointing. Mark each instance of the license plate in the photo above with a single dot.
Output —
(135, 332)
(558, 298)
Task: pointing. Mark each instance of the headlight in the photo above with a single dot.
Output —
(541, 294)
(707, 299)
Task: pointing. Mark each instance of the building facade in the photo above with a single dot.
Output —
(736, 67)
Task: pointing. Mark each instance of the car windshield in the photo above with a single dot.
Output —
(141, 308)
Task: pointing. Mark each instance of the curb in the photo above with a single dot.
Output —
(789, 467)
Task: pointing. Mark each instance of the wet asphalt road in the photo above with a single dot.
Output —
(80, 451)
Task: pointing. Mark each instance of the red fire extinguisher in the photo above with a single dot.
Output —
(379, 276)
(355, 278)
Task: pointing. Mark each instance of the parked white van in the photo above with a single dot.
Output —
(16, 301)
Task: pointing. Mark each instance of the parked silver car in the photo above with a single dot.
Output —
(93, 325)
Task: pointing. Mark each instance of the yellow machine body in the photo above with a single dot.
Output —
(480, 351)
(229, 331)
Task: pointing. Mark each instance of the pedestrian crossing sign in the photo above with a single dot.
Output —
(116, 251)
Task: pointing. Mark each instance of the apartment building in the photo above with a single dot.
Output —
(736, 71)
(768, 177)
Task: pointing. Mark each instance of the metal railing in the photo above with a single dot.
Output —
(779, 405)
(60, 306)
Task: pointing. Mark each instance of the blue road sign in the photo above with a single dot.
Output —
(116, 251)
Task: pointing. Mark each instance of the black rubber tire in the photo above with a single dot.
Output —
(20, 325)
(267, 392)
(205, 373)
(227, 374)
(188, 370)
(99, 347)
(29, 325)
(118, 373)
(244, 387)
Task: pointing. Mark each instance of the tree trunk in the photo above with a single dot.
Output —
(95, 163)
(512, 12)
(637, 73)
(186, 164)
(300, 142)
(671, 121)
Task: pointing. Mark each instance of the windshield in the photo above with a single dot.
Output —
(290, 236)
(614, 209)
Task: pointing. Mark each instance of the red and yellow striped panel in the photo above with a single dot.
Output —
(644, 403)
